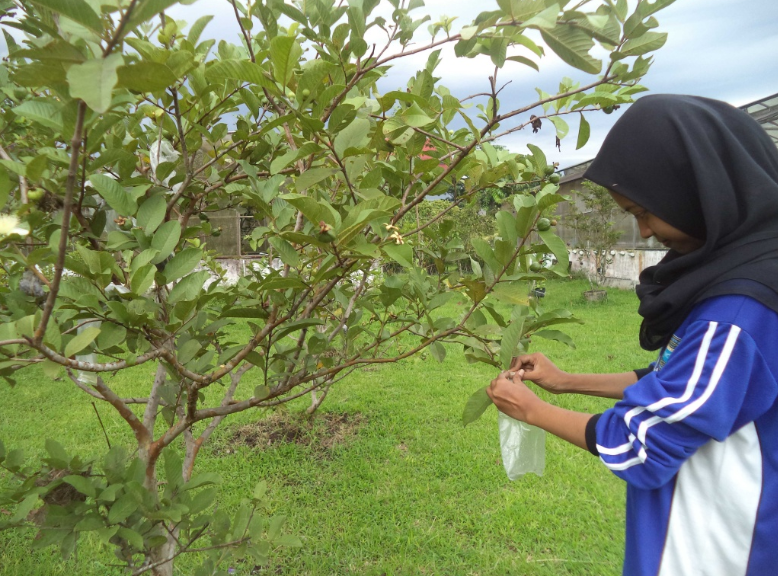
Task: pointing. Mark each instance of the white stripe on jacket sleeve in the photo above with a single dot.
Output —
(691, 385)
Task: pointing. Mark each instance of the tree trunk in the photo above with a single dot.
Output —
(162, 553)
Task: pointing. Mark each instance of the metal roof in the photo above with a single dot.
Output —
(764, 111)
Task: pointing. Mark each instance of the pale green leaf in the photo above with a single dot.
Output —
(561, 126)
(151, 213)
(116, 196)
(188, 288)
(648, 42)
(81, 341)
(111, 335)
(94, 81)
(352, 136)
(285, 251)
(182, 263)
(77, 10)
(583, 133)
(146, 9)
(146, 76)
(544, 20)
(165, 240)
(511, 335)
(44, 113)
(559, 248)
(572, 45)
(415, 117)
(285, 53)
(241, 70)
(197, 28)
(400, 253)
(142, 279)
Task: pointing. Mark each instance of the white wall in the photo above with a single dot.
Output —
(625, 269)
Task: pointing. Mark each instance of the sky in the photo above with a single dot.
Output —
(716, 48)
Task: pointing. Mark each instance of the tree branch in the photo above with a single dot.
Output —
(75, 147)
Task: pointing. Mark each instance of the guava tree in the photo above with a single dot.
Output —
(123, 131)
(594, 225)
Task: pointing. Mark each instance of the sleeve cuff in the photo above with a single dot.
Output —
(591, 434)
(643, 372)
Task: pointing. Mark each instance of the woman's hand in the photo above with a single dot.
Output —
(542, 371)
(512, 397)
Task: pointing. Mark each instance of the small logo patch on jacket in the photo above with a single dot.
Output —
(664, 356)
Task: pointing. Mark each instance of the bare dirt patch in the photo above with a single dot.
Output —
(322, 432)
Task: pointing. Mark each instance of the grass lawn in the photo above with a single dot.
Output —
(385, 481)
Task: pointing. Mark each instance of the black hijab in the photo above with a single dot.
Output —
(711, 171)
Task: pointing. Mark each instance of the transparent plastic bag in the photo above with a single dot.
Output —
(523, 447)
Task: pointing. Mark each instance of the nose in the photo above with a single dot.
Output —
(645, 231)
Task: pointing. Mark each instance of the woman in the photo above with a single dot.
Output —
(695, 436)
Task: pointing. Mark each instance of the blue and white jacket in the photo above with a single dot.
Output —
(696, 440)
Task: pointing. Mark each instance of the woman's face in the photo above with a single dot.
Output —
(649, 225)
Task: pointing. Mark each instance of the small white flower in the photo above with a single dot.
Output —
(10, 225)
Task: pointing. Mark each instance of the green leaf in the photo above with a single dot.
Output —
(539, 159)
(111, 335)
(511, 335)
(44, 113)
(202, 480)
(77, 10)
(81, 341)
(572, 45)
(438, 351)
(415, 117)
(24, 508)
(165, 240)
(241, 70)
(583, 133)
(475, 406)
(113, 193)
(402, 254)
(131, 536)
(648, 42)
(288, 541)
(188, 288)
(315, 175)
(352, 136)
(82, 484)
(556, 335)
(515, 294)
(151, 213)
(57, 455)
(485, 252)
(545, 20)
(286, 251)
(182, 263)
(203, 500)
(94, 81)
(559, 248)
(145, 76)
(122, 509)
(148, 9)
(506, 224)
(261, 392)
(197, 28)
(142, 279)
(561, 126)
(285, 54)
